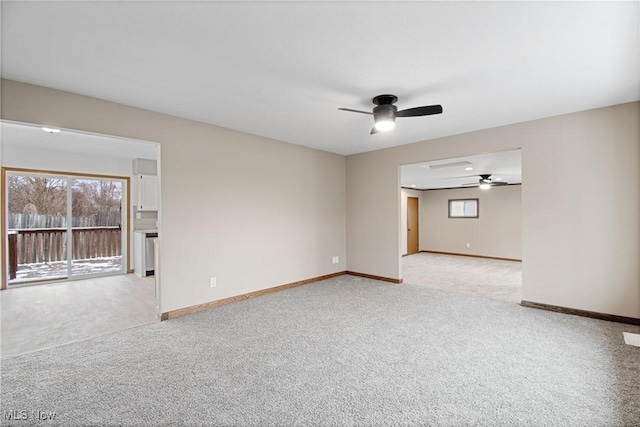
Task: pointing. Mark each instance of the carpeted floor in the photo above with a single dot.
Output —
(47, 315)
(483, 277)
(345, 351)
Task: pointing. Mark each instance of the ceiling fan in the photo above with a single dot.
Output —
(485, 182)
(385, 113)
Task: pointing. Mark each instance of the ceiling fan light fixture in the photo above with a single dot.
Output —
(485, 186)
(384, 117)
(384, 124)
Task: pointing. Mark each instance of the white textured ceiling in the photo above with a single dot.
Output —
(504, 166)
(281, 69)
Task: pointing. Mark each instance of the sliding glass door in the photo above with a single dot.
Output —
(62, 227)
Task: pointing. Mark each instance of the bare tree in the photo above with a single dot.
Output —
(32, 194)
(93, 202)
(98, 199)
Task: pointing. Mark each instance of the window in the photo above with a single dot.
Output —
(463, 208)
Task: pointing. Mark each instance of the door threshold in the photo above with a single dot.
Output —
(38, 282)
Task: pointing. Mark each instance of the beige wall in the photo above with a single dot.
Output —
(253, 212)
(17, 156)
(580, 201)
(496, 233)
(580, 204)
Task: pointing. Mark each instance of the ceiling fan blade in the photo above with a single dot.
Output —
(469, 184)
(499, 183)
(374, 130)
(427, 110)
(355, 111)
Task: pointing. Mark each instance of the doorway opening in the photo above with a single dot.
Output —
(72, 202)
(473, 251)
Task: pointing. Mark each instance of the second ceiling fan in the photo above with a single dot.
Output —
(485, 182)
(385, 113)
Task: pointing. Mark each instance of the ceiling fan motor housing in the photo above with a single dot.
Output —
(385, 112)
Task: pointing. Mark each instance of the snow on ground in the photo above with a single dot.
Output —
(43, 270)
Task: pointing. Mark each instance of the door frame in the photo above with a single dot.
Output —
(126, 230)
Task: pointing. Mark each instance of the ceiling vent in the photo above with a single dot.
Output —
(447, 165)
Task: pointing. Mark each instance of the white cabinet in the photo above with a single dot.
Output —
(147, 193)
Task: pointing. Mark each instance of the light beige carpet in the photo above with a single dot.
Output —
(489, 278)
(347, 351)
(49, 315)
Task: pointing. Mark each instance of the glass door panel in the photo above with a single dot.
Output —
(36, 227)
(59, 227)
(96, 226)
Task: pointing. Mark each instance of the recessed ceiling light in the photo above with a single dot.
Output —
(468, 168)
(51, 130)
(498, 179)
(413, 186)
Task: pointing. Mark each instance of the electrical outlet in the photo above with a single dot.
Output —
(212, 282)
(335, 259)
(468, 245)
(631, 338)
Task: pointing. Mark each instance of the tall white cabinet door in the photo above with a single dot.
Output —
(138, 253)
(148, 193)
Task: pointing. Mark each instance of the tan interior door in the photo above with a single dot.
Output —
(412, 226)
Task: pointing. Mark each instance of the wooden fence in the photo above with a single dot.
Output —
(37, 245)
(96, 242)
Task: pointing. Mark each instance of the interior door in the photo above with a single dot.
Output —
(412, 226)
